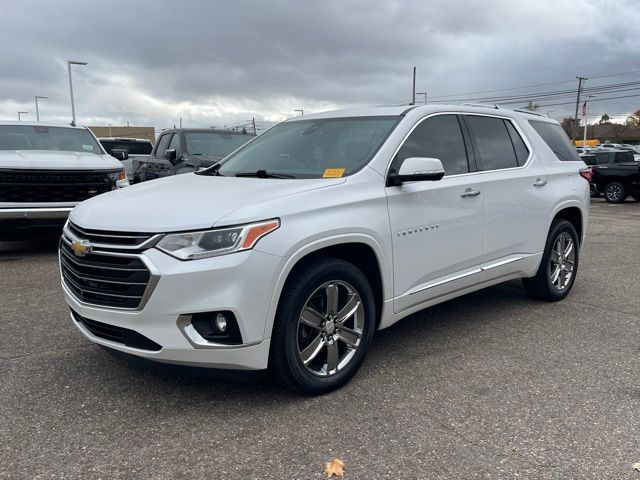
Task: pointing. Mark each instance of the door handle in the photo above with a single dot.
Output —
(539, 182)
(470, 193)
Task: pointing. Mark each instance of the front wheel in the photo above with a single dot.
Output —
(559, 266)
(615, 192)
(324, 327)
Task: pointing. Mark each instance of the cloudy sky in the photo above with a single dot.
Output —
(222, 63)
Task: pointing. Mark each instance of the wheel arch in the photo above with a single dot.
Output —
(573, 214)
(361, 250)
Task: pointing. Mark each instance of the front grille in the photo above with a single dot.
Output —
(110, 238)
(105, 280)
(127, 337)
(44, 186)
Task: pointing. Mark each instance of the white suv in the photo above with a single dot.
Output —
(297, 247)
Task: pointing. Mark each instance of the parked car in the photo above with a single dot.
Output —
(186, 150)
(605, 156)
(291, 252)
(47, 169)
(617, 180)
(137, 150)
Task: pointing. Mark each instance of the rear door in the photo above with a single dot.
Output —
(517, 199)
(437, 226)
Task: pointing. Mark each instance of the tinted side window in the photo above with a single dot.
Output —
(493, 142)
(163, 144)
(437, 137)
(522, 153)
(175, 144)
(557, 140)
(624, 157)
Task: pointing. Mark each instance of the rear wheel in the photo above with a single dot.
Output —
(559, 266)
(323, 328)
(615, 192)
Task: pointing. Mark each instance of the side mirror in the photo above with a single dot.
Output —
(170, 155)
(417, 169)
(120, 154)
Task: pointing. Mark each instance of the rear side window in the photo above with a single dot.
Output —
(522, 152)
(557, 140)
(589, 159)
(437, 137)
(624, 157)
(493, 143)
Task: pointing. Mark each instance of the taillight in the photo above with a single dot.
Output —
(587, 174)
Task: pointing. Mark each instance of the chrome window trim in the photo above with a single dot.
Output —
(503, 117)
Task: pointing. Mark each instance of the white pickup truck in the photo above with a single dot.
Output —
(137, 151)
(46, 170)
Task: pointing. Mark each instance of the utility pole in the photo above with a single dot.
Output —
(581, 81)
(37, 111)
(413, 90)
(180, 122)
(253, 122)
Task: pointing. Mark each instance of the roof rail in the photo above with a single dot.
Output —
(480, 105)
(526, 110)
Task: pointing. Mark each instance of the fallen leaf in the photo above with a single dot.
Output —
(636, 466)
(335, 467)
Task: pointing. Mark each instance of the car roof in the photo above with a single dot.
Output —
(207, 130)
(423, 110)
(41, 124)
(125, 139)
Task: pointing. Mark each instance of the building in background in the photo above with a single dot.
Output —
(125, 132)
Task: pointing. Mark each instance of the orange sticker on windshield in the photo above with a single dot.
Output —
(333, 173)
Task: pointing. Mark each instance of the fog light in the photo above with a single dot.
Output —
(221, 323)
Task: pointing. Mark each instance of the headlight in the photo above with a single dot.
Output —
(210, 243)
(117, 175)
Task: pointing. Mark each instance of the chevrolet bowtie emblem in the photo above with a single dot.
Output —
(80, 247)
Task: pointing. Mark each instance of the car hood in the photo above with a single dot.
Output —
(186, 202)
(55, 160)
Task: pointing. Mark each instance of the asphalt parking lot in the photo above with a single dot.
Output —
(492, 385)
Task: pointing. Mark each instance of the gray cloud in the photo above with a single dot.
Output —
(216, 63)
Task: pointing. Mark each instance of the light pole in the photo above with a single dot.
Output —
(37, 111)
(301, 112)
(584, 142)
(425, 96)
(21, 113)
(73, 108)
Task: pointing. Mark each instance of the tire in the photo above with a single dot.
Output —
(550, 282)
(636, 196)
(301, 345)
(615, 192)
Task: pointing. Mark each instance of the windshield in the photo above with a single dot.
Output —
(214, 143)
(131, 147)
(28, 137)
(328, 147)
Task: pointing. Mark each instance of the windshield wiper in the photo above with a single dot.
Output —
(212, 170)
(263, 174)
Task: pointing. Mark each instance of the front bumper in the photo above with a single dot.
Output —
(240, 282)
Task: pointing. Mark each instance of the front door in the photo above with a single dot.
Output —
(437, 226)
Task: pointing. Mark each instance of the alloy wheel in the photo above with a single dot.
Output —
(330, 328)
(562, 261)
(614, 192)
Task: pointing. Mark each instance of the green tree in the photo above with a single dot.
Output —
(604, 120)
(633, 120)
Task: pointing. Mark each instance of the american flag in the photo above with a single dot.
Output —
(584, 109)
